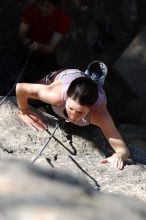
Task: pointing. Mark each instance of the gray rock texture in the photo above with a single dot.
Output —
(32, 193)
(133, 63)
(75, 150)
(134, 135)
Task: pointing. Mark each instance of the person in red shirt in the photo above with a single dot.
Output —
(43, 25)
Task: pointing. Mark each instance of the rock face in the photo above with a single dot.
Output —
(132, 64)
(134, 134)
(130, 69)
(73, 149)
(32, 193)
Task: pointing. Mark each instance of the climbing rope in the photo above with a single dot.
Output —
(60, 123)
(19, 77)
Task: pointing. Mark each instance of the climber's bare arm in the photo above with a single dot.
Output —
(47, 93)
(103, 119)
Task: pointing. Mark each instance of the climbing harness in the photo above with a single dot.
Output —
(19, 77)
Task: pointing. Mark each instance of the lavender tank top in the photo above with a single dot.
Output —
(67, 76)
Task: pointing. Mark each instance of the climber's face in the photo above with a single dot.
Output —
(75, 111)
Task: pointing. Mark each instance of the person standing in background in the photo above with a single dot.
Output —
(43, 24)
